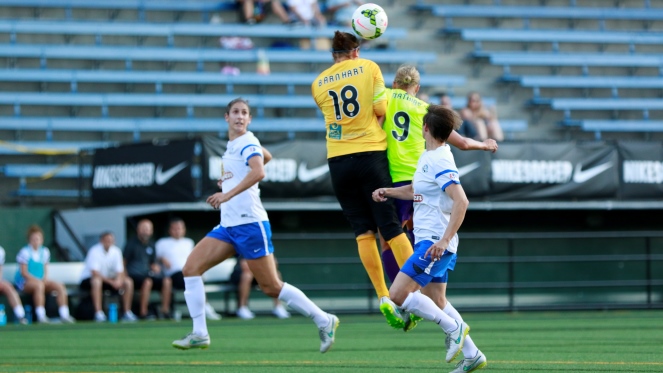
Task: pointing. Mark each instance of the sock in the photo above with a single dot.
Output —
(41, 313)
(194, 294)
(470, 350)
(368, 253)
(19, 312)
(299, 302)
(64, 312)
(424, 307)
(390, 265)
(402, 248)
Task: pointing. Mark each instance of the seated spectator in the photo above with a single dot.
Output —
(306, 12)
(172, 253)
(340, 11)
(244, 279)
(32, 277)
(10, 293)
(483, 119)
(104, 271)
(255, 11)
(466, 129)
(140, 261)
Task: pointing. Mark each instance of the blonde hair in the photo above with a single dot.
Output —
(407, 76)
(34, 228)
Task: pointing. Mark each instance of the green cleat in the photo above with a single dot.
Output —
(392, 313)
(411, 321)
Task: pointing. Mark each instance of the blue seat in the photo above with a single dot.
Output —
(546, 12)
(612, 82)
(562, 36)
(46, 170)
(50, 147)
(171, 30)
(137, 126)
(606, 104)
(598, 126)
(203, 6)
(196, 55)
(185, 77)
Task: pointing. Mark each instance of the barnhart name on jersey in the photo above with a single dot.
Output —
(342, 75)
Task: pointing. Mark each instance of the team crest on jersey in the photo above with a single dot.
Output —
(418, 198)
(453, 176)
(425, 168)
(335, 131)
(226, 175)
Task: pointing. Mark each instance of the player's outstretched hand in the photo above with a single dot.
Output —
(491, 145)
(216, 199)
(379, 195)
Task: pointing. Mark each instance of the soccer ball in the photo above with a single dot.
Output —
(369, 21)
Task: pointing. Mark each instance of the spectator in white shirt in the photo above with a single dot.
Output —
(104, 270)
(10, 293)
(172, 252)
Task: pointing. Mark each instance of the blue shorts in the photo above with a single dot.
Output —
(251, 241)
(424, 270)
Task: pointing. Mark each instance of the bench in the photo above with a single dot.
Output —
(169, 31)
(189, 101)
(159, 78)
(601, 14)
(559, 36)
(598, 126)
(199, 56)
(614, 83)
(202, 6)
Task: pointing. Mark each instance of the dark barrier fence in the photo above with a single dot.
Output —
(502, 271)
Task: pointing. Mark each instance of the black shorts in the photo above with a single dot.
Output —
(354, 178)
(178, 280)
(157, 282)
(87, 286)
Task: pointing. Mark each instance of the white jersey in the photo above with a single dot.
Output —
(436, 170)
(42, 255)
(175, 251)
(246, 207)
(108, 263)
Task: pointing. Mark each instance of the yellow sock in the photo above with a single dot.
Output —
(370, 258)
(402, 248)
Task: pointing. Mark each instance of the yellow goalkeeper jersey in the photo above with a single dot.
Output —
(351, 94)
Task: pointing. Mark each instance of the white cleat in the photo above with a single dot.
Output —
(470, 365)
(280, 312)
(328, 333)
(245, 313)
(100, 316)
(455, 340)
(68, 320)
(210, 313)
(192, 340)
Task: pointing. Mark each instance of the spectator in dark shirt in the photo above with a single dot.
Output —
(140, 262)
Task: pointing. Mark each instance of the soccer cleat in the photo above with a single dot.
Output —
(100, 316)
(210, 313)
(68, 320)
(455, 341)
(411, 320)
(392, 313)
(129, 317)
(280, 312)
(470, 365)
(192, 340)
(328, 333)
(23, 321)
(245, 313)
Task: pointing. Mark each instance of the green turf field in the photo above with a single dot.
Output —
(627, 341)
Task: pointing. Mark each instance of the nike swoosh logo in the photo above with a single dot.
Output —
(195, 342)
(580, 176)
(305, 175)
(420, 258)
(162, 177)
(256, 250)
(468, 168)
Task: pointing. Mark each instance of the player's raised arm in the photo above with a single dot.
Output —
(465, 143)
(254, 176)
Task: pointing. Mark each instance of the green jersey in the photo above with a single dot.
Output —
(403, 125)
